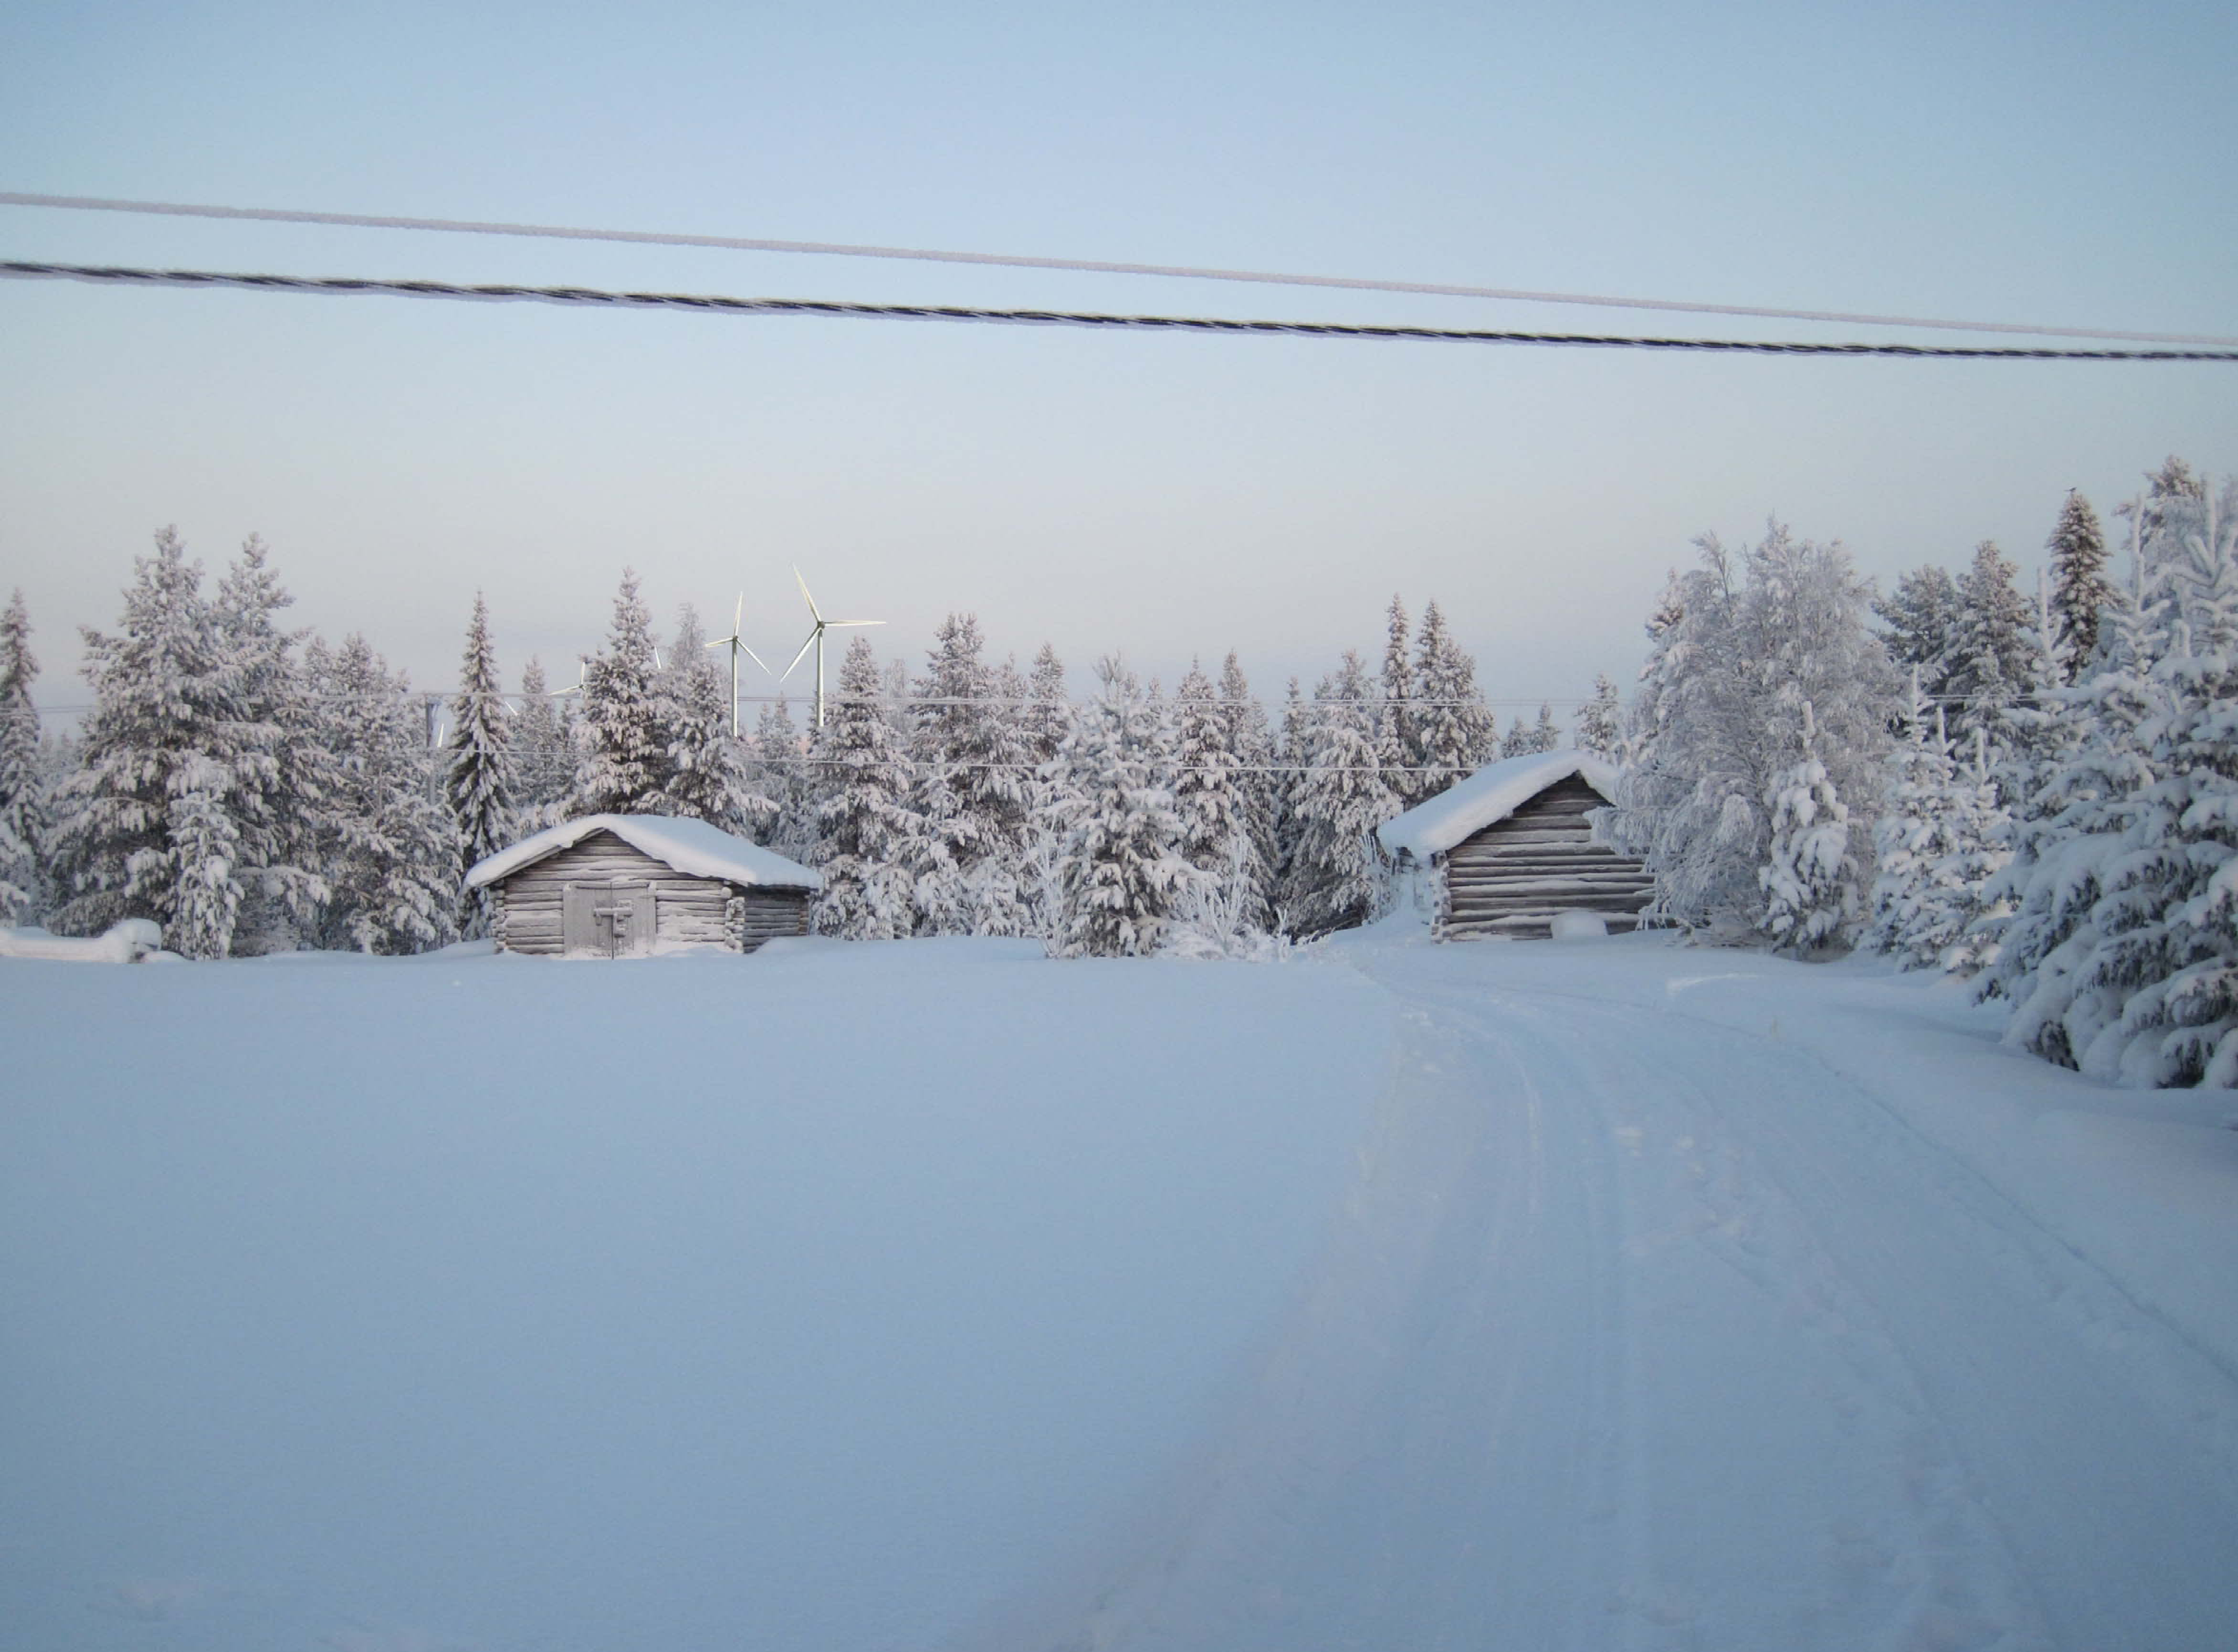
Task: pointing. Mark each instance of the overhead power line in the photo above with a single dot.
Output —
(715, 304)
(742, 243)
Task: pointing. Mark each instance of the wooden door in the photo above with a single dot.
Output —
(607, 920)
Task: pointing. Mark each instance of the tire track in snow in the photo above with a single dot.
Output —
(2092, 1432)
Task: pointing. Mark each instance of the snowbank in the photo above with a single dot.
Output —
(692, 848)
(1488, 796)
(135, 941)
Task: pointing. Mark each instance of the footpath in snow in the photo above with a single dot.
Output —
(1603, 1294)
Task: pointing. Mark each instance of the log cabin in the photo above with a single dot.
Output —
(627, 885)
(1509, 849)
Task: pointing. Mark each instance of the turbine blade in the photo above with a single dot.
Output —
(833, 625)
(812, 600)
(723, 643)
(751, 655)
(739, 617)
(796, 659)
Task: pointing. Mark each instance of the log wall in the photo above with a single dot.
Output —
(530, 906)
(1513, 877)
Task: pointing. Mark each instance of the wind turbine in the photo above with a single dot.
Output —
(816, 641)
(737, 644)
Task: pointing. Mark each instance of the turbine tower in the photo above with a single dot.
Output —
(737, 644)
(816, 641)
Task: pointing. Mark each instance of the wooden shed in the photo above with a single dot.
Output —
(627, 885)
(1508, 849)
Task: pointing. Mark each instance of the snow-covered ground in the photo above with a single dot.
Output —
(1593, 1293)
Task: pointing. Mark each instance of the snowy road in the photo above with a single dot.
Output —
(1604, 1295)
(1645, 1329)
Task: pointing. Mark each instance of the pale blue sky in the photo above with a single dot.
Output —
(1167, 496)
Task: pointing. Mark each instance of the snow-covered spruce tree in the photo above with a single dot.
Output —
(1251, 739)
(1054, 799)
(543, 746)
(142, 829)
(1546, 734)
(1921, 617)
(1809, 877)
(624, 731)
(1994, 662)
(1912, 841)
(707, 778)
(2170, 909)
(477, 771)
(1601, 725)
(998, 888)
(1456, 733)
(780, 771)
(22, 790)
(393, 856)
(1767, 668)
(1337, 874)
(1209, 794)
(1122, 877)
(2067, 830)
(862, 823)
(1396, 741)
(1517, 742)
(972, 787)
(1293, 746)
(283, 770)
(2080, 588)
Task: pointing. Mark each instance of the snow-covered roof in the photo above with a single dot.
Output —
(692, 848)
(1487, 797)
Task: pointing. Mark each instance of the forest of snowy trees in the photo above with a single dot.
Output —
(252, 788)
(2038, 791)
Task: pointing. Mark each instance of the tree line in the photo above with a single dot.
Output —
(2040, 795)
(252, 788)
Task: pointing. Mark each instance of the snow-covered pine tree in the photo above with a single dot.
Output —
(1913, 839)
(1209, 794)
(2068, 830)
(624, 731)
(1973, 910)
(1546, 734)
(1293, 748)
(707, 778)
(1396, 741)
(2170, 909)
(392, 859)
(1922, 616)
(22, 790)
(1054, 798)
(543, 747)
(999, 887)
(283, 771)
(1122, 877)
(1049, 714)
(1810, 876)
(1251, 739)
(1517, 742)
(970, 788)
(1994, 663)
(1456, 733)
(863, 824)
(1601, 725)
(478, 768)
(780, 772)
(1767, 668)
(141, 828)
(2079, 588)
(1337, 874)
